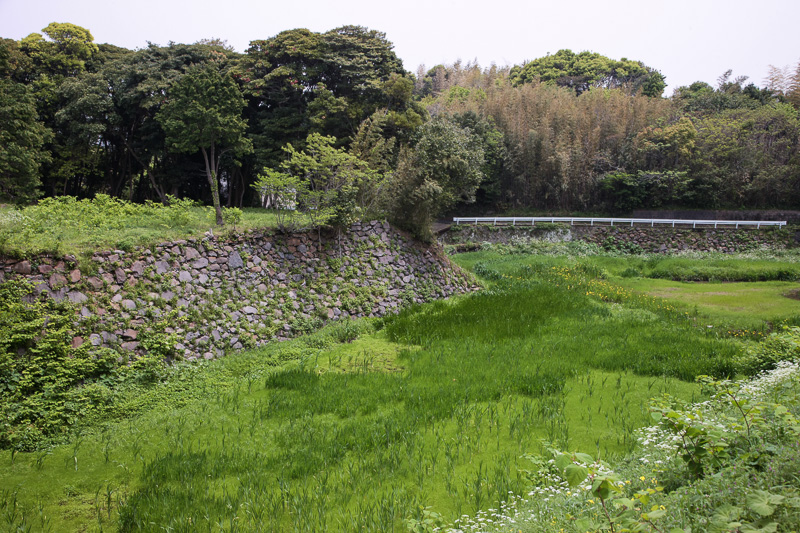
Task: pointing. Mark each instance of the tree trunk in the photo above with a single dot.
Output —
(146, 169)
(211, 174)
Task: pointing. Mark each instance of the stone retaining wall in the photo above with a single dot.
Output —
(218, 295)
(653, 240)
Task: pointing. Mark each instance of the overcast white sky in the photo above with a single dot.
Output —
(687, 40)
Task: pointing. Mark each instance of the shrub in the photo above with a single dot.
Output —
(779, 346)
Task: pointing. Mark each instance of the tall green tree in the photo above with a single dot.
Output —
(300, 82)
(329, 185)
(22, 140)
(443, 169)
(64, 52)
(585, 70)
(203, 113)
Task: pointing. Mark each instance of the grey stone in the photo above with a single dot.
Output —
(57, 280)
(59, 295)
(202, 279)
(161, 267)
(130, 346)
(185, 276)
(95, 339)
(138, 267)
(77, 297)
(190, 253)
(235, 260)
(249, 309)
(23, 267)
(200, 263)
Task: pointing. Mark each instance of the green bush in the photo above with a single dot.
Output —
(779, 346)
(43, 378)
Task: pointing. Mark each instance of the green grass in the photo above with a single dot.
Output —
(64, 225)
(741, 309)
(436, 410)
(745, 305)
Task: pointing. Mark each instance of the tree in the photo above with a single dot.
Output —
(586, 70)
(329, 184)
(67, 51)
(444, 168)
(203, 113)
(300, 82)
(22, 138)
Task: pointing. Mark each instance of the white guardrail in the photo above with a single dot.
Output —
(652, 222)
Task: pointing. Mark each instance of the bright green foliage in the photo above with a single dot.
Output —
(371, 146)
(22, 140)
(328, 185)
(586, 70)
(204, 113)
(45, 383)
(444, 168)
(279, 191)
(65, 54)
(667, 147)
(779, 346)
(750, 157)
(65, 225)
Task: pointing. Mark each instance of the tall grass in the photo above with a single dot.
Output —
(426, 420)
(65, 225)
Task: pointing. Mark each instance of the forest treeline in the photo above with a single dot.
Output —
(335, 120)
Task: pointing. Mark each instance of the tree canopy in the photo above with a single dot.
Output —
(586, 70)
(203, 112)
(336, 112)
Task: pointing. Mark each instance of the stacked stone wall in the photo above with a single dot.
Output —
(647, 239)
(218, 295)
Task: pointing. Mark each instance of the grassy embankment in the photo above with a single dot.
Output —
(66, 226)
(366, 425)
(435, 410)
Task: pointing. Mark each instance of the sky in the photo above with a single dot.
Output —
(687, 40)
